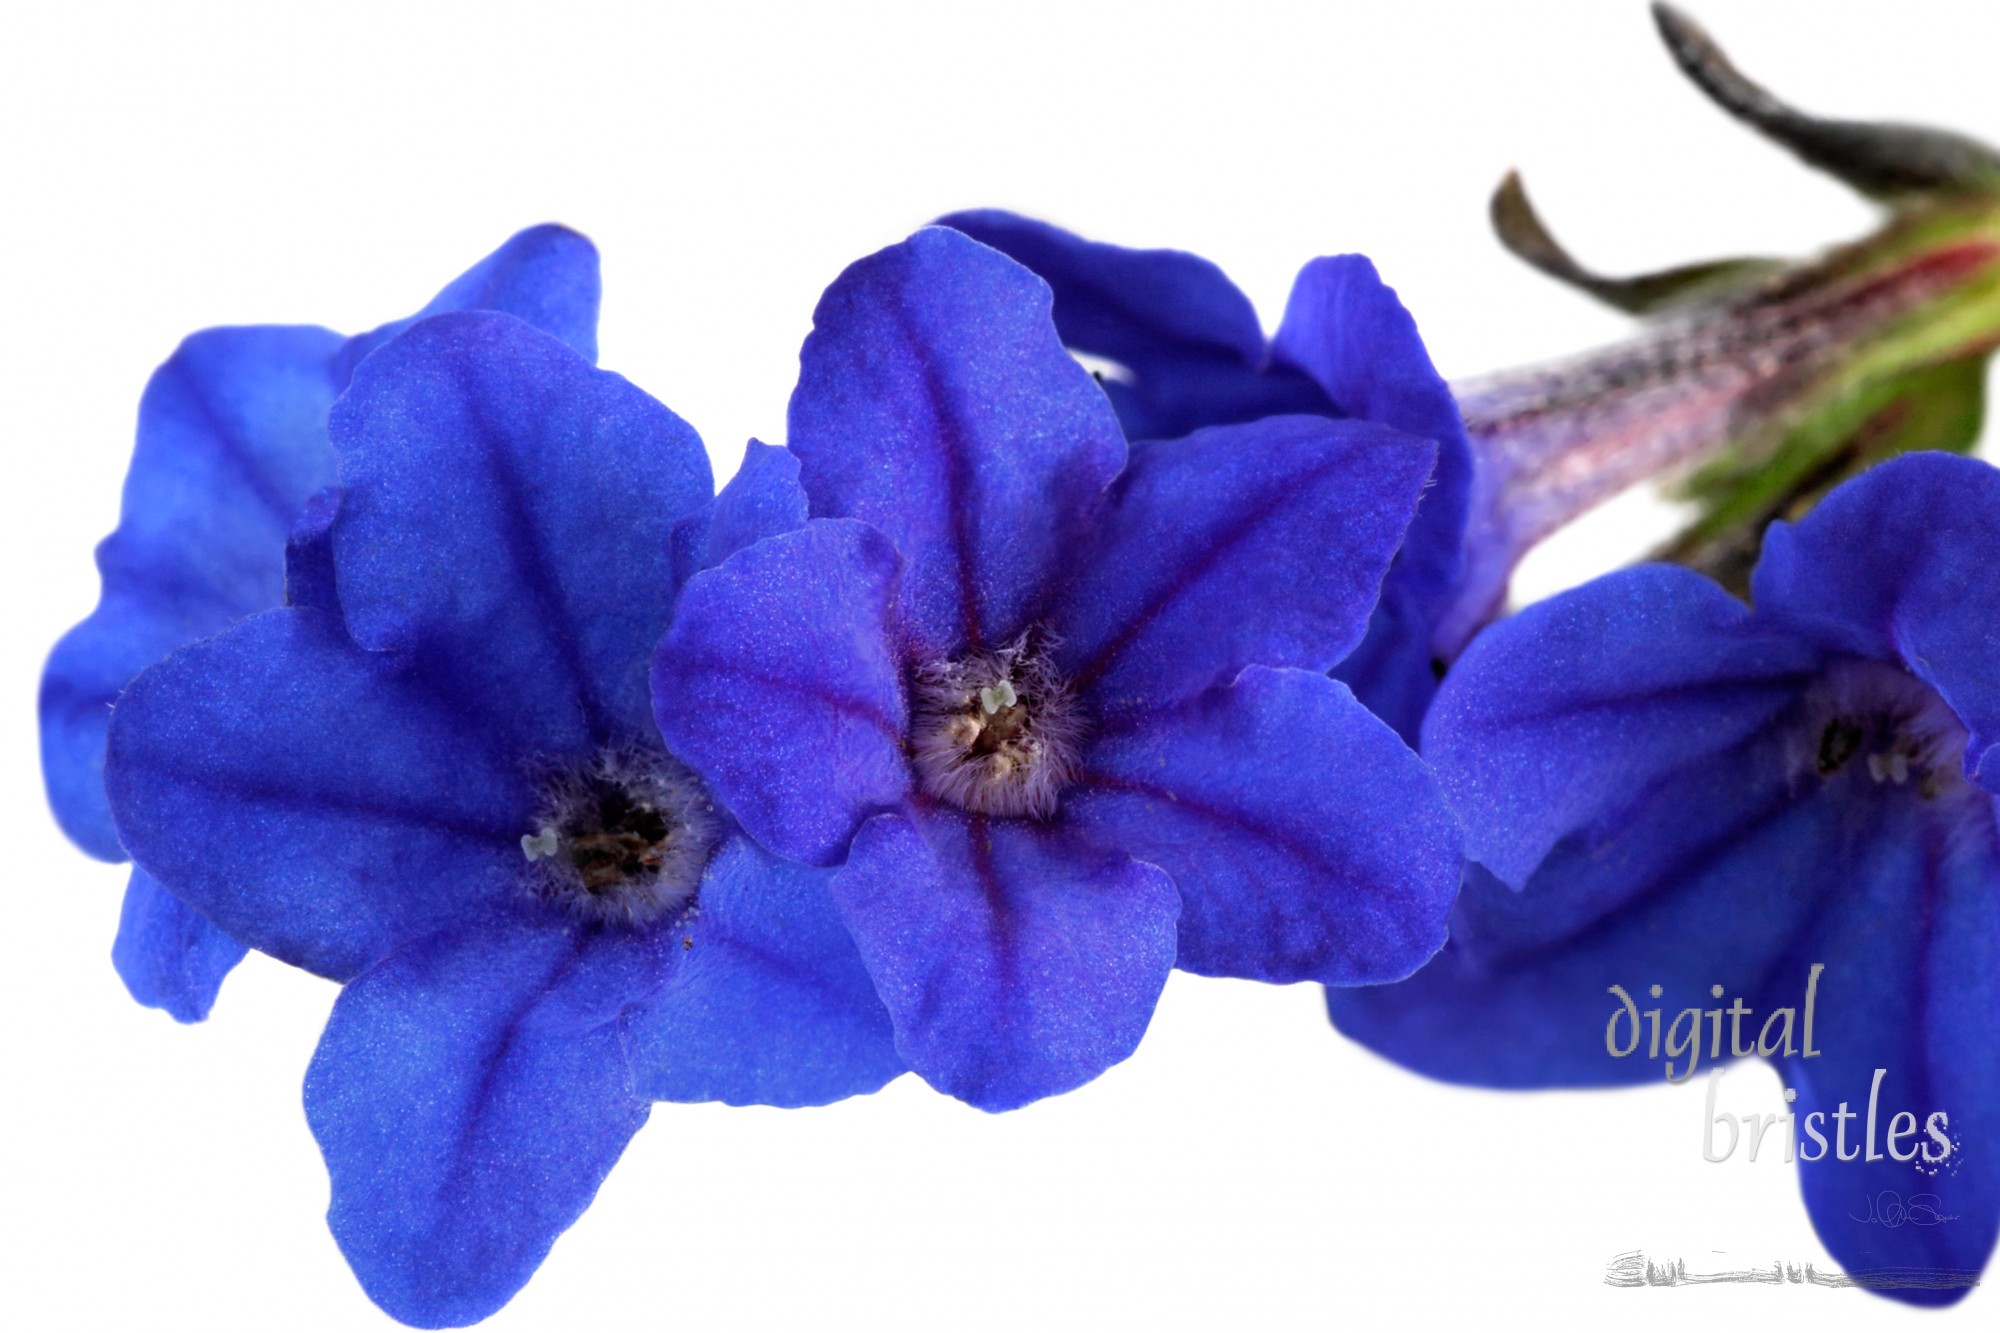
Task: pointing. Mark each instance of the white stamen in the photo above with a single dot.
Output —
(535, 846)
(1880, 713)
(993, 698)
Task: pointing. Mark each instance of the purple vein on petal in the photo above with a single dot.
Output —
(1783, 685)
(323, 802)
(281, 508)
(1204, 560)
(527, 550)
(805, 689)
(1695, 861)
(979, 846)
(1217, 815)
(947, 432)
(493, 1064)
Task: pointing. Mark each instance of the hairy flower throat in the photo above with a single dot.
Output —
(621, 838)
(995, 732)
(1874, 718)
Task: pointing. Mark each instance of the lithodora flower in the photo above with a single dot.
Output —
(1186, 351)
(436, 779)
(1056, 707)
(232, 444)
(1664, 788)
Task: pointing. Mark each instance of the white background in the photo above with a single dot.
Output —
(169, 166)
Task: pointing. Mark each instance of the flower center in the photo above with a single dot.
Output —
(622, 837)
(1874, 718)
(996, 732)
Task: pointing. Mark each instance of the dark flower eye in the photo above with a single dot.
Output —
(622, 837)
(1838, 741)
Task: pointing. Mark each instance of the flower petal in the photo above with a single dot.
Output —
(170, 956)
(770, 1004)
(1708, 873)
(1210, 392)
(1259, 543)
(1909, 989)
(936, 402)
(309, 573)
(1346, 329)
(1016, 961)
(1307, 841)
(1186, 338)
(470, 1094)
(763, 499)
(317, 802)
(1145, 309)
(1903, 564)
(232, 439)
(546, 276)
(777, 684)
(1394, 671)
(506, 517)
(1580, 702)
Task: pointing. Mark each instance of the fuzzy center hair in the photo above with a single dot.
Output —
(1874, 718)
(996, 732)
(621, 838)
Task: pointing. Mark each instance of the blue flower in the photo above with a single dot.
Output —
(1058, 708)
(1665, 789)
(232, 442)
(436, 779)
(1190, 353)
